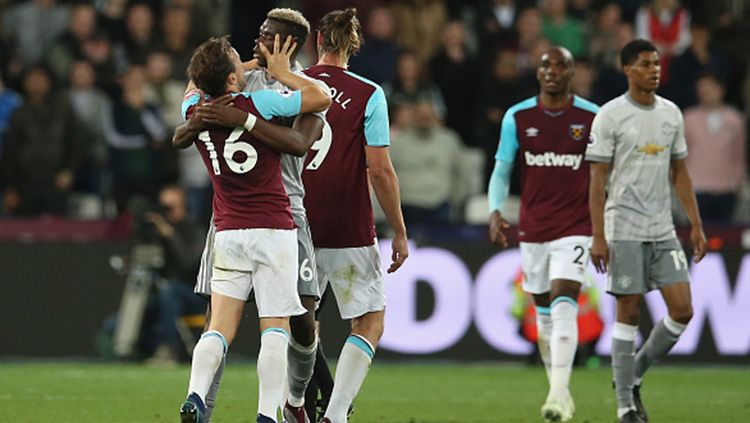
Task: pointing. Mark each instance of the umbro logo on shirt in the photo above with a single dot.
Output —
(324, 75)
(532, 132)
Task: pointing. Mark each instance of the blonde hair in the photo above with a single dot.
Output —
(289, 15)
(341, 32)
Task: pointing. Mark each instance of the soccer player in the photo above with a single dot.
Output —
(637, 142)
(255, 243)
(295, 141)
(354, 146)
(548, 134)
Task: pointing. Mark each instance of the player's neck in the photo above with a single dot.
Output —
(331, 59)
(642, 97)
(555, 101)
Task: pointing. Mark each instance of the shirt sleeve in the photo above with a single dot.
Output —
(508, 146)
(601, 147)
(189, 102)
(276, 103)
(679, 145)
(376, 120)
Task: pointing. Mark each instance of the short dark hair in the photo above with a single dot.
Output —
(210, 66)
(629, 53)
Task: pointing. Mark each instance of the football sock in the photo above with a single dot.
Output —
(662, 338)
(301, 366)
(207, 355)
(354, 362)
(563, 343)
(214, 389)
(623, 365)
(544, 333)
(272, 370)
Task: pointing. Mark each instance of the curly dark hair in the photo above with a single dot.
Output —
(210, 65)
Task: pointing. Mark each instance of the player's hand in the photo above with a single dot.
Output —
(164, 228)
(221, 112)
(400, 248)
(700, 244)
(600, 254)
(497, 224)
(279, 61)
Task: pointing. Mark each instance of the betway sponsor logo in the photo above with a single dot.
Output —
(550, 159)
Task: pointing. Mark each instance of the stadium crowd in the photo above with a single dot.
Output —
(90, 92)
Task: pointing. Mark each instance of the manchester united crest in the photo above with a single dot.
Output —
(577, 132)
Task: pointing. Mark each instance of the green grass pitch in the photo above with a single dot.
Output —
(394, 393)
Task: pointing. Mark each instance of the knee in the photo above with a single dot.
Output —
(682, 315)
(303, 329)
(370, 326)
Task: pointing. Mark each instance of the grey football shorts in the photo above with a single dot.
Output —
(637, 267)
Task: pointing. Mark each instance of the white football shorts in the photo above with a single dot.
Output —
(564, 258)
(263, 260)
(355, 276)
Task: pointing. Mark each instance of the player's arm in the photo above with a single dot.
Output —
(385, 184)
(382, 175)
(597, 196)
(684, 188)
(295, 140)
(499, 186)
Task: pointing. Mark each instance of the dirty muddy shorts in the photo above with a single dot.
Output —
(356, 277)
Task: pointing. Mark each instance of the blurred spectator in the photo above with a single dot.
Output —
(139, 37)
(529, 31)
(162, 90)
(715, 133)
(9, 101)
(583, 81)
(603, 45)
(419, 154)
(610, 81)
(176, 28)
(135, 134)
(667, 25)
(450, 69)
(69, 46)
(579, 9)
(182, 239)
(207, 17)
(685, 69)
(98, 51)
(498, 93)
(497, 24)
(401, 117)
(377, 58)
(562, 30)
(41, 149)
(91, 106)
(419, 25)
(35, 25)
(412, 85)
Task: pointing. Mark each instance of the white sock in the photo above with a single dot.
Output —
(563, 343)
(207, 355)
(272, 371)
(354, 362)
(544, 333)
